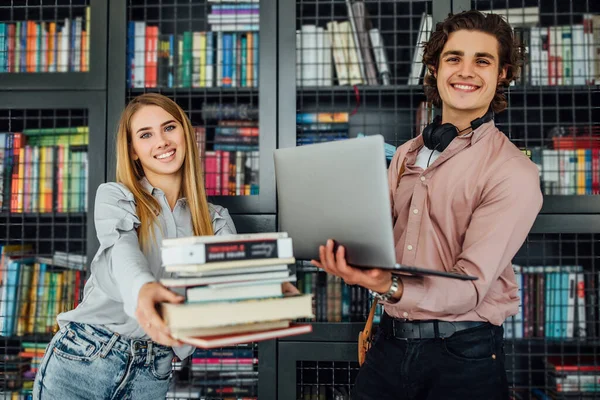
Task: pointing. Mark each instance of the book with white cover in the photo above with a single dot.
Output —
(208, 315)
(201, 253)
(380, 55)
(233, 271)
(417, 64)
(211, 280)
(236, 291)
(230, 329)
(239, 237)
(215, 266)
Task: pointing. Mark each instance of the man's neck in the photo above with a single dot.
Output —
(461, 119)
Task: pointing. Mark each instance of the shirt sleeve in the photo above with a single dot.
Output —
(498, 228)
(222, 222)
(119, 266)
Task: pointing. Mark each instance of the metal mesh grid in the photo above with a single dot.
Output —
(556, 120)
(553, 107)
(225, 373)
(42, 233)
(329, 77)
(558, 319)
(557, 324)
(44, 36)
(205, 57)
(325, 380)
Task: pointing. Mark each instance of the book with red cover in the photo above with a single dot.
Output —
(211, 342)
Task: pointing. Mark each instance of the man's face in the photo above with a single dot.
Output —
(468, 71)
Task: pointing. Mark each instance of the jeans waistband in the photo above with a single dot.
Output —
(429, 329)
(113, 340)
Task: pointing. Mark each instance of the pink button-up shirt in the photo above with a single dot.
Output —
(469, 212)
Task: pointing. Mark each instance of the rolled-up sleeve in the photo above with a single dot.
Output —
(119, 266)
(498, 228)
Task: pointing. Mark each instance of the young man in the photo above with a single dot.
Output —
(465, 202)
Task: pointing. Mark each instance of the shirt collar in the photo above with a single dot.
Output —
(154, 190)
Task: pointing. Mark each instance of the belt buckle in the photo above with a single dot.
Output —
(394, 330)
(444, 334)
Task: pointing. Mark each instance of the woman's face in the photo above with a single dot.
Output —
(158, 142)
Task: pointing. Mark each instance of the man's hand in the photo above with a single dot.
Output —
(289, 289)
(376, 279)
(150, 295)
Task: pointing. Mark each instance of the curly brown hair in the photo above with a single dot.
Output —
(510, 50)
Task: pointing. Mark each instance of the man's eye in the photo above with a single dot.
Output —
(452, 59)
(485, 62)
(169, 128)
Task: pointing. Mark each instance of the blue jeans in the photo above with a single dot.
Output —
(91, 362)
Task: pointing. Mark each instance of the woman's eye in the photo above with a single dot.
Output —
(169, 128)
(145, 135)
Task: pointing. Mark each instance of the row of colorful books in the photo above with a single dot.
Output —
(556, 302)
(321, 127)
(30, 46)
(44, 171)
(191, 59)
(34, 290)
(231, 173)
(217, 373)
(19, 367)
(333, 300)
(235, 283)
(569, 171)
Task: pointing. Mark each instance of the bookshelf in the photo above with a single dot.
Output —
(323, 364)
(253, 86)
(64, 73)
(565, 233)
(50, 215)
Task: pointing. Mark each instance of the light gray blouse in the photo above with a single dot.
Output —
(120, 267)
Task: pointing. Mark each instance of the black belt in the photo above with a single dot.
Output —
(430, 329)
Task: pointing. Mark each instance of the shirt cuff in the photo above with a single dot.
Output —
(412, 293)
(138, 282)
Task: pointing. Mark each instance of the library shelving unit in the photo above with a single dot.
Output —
(552, 113)
(555, 119)
(53, 45)
(48, 172)
(53, 144)
(217, 61)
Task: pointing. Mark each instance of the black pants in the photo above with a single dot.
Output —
(467, 365)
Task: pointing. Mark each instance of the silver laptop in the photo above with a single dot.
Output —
(339, 190)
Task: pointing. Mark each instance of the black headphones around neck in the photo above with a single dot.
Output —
(438, 137)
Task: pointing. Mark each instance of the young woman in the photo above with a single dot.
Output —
(114, 345)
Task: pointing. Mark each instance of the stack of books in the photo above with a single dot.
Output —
(233, 289)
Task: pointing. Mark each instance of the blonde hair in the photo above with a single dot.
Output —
(130, 172)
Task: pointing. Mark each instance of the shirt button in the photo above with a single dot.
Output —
(409, 247)
(415, 211)
(422, 179)
(405, 314)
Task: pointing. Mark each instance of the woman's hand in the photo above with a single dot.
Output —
(150, 295)
(289, 289)
(376, 279)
